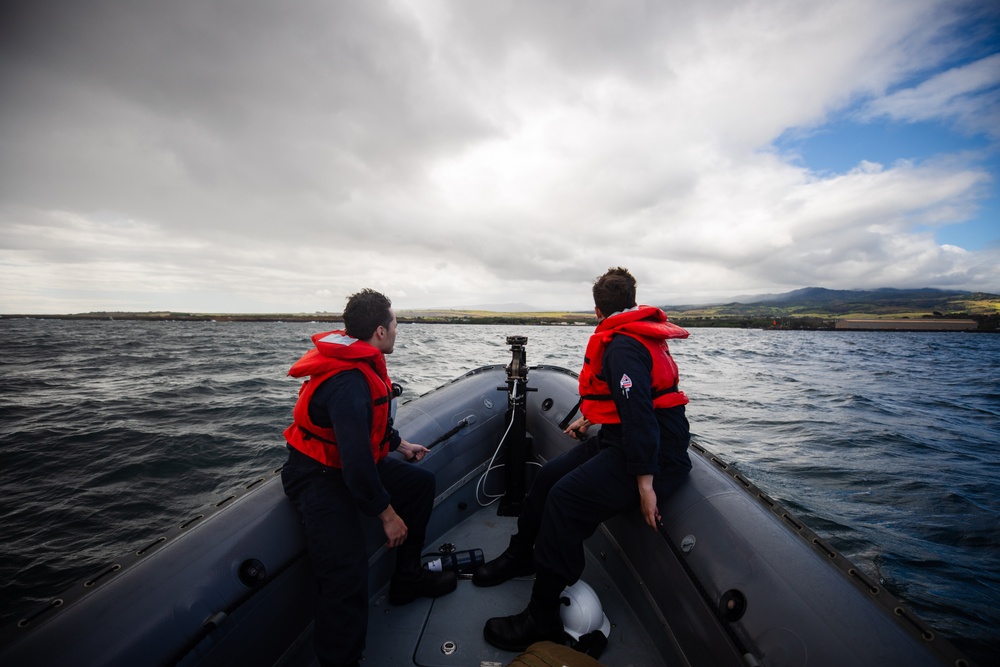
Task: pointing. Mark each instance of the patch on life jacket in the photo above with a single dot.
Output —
(625, 384)
(338, 338)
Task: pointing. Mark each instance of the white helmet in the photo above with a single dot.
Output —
(581, 612)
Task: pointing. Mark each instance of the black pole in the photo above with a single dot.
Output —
(518, 441)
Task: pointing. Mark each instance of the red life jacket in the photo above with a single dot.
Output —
(336, 352)
(649, 326)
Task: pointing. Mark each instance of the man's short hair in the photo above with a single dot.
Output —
(366, 311)
(614, 291)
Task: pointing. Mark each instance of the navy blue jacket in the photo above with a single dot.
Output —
(652, 440)
(344, 401)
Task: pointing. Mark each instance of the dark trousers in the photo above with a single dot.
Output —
(336, 543)
(571, 496)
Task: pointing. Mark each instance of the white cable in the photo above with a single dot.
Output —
(482, 479)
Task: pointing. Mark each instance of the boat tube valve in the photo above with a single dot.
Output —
(517, 441)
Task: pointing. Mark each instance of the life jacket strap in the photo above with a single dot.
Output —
(310, 436)
(664, 392)
(608, 397)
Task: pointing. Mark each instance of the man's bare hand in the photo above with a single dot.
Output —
(394, 527)
(578, 429)
(412, 452)
(647, 500)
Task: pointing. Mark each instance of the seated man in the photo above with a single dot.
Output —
(628, 385)
(338, 464)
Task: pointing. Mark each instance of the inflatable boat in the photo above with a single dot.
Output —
(730, 579)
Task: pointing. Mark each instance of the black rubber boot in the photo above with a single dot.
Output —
(411, 581)
(517, 561)
(539, 622)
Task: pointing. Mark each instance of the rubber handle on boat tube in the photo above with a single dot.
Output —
(569, 417)
(462, 424)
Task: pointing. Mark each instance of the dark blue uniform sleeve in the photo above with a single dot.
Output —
(628, 368)
(348, 406)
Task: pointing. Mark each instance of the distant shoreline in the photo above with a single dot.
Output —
(435, 317)
(924, 323)
(810, 308)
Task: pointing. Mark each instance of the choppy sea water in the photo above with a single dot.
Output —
(887, 444)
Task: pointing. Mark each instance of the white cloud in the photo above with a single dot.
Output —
(222, 156)
(968, 95)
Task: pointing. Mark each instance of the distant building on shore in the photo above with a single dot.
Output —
(908, 325)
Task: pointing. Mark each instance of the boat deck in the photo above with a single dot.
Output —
(415, 634)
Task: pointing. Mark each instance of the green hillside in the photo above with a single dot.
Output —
(817, 307)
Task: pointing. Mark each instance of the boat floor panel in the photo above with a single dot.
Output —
(415, 633)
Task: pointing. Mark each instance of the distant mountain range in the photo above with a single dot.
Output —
(823, 295)
(822, 301)
(818, 301)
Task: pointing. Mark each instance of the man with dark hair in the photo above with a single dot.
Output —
(365, 312)
(628, 385)
(614, 292)
(338, 464)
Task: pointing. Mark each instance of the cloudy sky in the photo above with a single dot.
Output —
(257, 156)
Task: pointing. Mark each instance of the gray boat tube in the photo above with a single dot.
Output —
(231, 584)
(731, 579)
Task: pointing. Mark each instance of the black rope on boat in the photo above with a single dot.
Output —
(216, 619)
(462, 424)
(569, 417)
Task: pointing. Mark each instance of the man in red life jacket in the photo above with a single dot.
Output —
(628, 385)
(338, 464)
